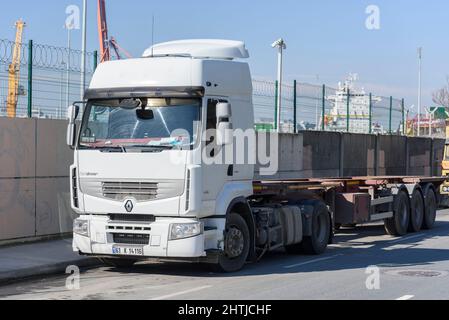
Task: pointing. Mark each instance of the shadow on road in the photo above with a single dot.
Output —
(349, 252)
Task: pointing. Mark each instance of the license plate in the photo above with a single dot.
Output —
(127, 251)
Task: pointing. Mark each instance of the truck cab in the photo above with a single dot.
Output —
(138, 182)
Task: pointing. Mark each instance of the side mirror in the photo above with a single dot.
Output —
(224, 112)
(72, 114)
(224, 124)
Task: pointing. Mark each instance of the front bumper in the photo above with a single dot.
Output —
(101, 239)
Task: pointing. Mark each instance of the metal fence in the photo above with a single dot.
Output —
(50, 79)
(312, 107)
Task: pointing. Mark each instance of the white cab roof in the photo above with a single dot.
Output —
(200, 48)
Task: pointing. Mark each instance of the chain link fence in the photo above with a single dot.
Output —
(49, 79)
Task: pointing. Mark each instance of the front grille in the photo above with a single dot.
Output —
(141, 191)
(132, 218)
(127, 238)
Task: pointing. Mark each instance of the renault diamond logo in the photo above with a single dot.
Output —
(129, 206)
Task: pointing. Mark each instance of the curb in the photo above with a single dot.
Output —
(45, 270)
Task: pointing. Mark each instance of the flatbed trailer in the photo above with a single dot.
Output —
(359, 200)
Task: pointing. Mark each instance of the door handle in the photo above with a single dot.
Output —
(231, 170)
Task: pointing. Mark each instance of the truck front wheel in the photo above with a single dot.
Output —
(236, 245)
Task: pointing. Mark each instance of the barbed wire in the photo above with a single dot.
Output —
(47, 56)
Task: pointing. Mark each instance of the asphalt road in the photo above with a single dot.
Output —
(412, 267)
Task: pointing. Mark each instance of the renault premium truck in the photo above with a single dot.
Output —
(144, 187)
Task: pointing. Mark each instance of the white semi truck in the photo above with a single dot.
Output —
(143, 187)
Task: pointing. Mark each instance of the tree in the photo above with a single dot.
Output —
(441, 96)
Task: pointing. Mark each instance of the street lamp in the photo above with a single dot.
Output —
(419, 89)
(83, 50)
(280, 44)
(69, 27)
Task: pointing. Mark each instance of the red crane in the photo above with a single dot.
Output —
(106, 43)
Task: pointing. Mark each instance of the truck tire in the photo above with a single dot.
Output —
(237, 245)
(430, 209)
(118, 263)
(321, 229)
(398, 225)
(416, 212)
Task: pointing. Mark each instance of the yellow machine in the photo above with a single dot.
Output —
(445, 164)
(14, 72)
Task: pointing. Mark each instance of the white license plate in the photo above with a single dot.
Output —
(127, 251)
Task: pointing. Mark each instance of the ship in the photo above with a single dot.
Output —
(359, 109)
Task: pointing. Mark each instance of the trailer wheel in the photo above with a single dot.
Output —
(118, 263)
(430, 209)
(321, 228)
(416, 212)
(237, 243)
(398, 225)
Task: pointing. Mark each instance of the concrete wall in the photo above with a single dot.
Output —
(321, 154)
(358, 155)
(34, 162)
(329, 154)
(34, 184)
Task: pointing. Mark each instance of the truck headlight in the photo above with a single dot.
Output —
(185, 230)
(81, 227)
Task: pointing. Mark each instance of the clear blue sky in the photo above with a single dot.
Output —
(324, 37)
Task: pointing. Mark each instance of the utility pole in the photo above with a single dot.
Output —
(419, 88)
(280, 44)
(83, 50)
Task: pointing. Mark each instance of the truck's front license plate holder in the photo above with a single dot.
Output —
(127, 251)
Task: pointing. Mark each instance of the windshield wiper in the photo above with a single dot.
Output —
(151, 148)
(106, 149)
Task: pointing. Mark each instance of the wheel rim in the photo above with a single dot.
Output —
(235, 243)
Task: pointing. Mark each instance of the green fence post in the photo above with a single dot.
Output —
(348, 101)
(323, 109)
(370, 113)
(30, 79)
(276, 105)
(95, 59)
(391, 115)
(295, 119)
(404, 121)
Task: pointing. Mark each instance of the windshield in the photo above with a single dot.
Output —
(140, 123)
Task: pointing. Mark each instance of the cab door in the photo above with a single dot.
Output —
(216, 173)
